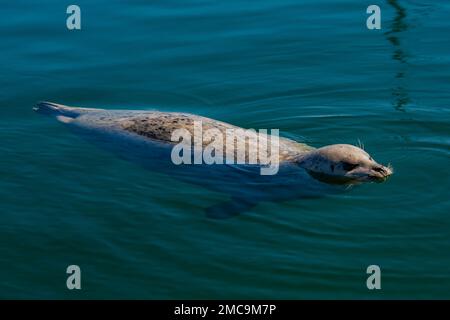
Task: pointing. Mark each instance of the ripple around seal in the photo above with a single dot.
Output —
(310, 69)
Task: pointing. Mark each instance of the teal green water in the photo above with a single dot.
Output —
(310, 68)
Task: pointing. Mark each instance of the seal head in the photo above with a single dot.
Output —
(343, 163)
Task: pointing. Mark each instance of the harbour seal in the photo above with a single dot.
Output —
(145, 137)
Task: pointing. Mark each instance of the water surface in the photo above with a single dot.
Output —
(310, 68)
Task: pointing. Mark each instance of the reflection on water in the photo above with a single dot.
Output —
(400, 93)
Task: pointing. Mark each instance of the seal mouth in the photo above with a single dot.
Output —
(378, 179)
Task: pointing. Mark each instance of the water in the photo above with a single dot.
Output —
(310, 68)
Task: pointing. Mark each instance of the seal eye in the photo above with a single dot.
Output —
(348, 166)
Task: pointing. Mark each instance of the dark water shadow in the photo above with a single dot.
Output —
(399, 25)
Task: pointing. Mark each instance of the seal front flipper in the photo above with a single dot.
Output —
(228, 209)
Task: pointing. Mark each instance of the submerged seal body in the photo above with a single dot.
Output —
(146, 137)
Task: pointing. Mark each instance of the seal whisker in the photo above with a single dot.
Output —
(390, 167)
(360, 144)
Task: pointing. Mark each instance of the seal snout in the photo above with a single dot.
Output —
(380, 172)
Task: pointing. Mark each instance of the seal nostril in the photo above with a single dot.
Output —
(383, 171)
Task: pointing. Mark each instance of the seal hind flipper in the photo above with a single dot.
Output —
(55, 109)
(228, 209)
